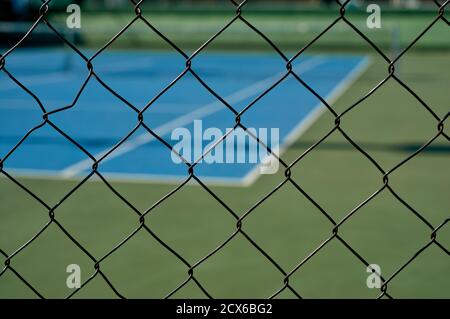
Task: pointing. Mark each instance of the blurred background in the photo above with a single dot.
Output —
(289, 24)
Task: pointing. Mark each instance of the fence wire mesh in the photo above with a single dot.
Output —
(142, 217)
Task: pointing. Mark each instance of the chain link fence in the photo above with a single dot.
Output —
(240, 218)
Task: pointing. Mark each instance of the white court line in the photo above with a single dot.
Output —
(54, 77)
(181, 121)
(313, 115)
(125, 178)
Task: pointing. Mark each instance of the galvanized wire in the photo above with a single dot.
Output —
(240, 217)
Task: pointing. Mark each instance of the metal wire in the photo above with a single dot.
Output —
(335, 225)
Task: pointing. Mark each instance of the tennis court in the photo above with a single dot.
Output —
(99, 119)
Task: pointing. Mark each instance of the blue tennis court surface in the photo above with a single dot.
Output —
(99, 119)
